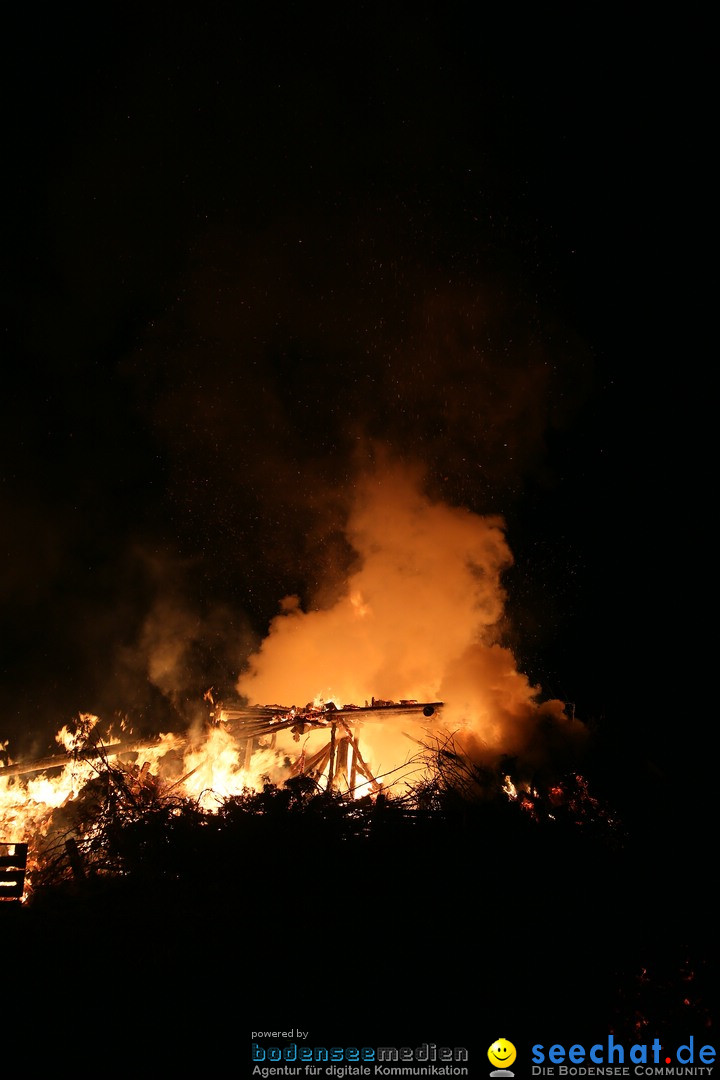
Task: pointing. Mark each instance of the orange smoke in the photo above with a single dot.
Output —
(420, 618)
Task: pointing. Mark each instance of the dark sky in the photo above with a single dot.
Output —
(247, 245)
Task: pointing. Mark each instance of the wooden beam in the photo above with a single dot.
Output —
(60, 761)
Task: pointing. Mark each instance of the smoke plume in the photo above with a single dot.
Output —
(420, 617)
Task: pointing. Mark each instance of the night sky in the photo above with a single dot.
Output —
(248, 248)
(250, 251)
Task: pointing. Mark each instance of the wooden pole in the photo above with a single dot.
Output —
(331, 763)
(341, 766)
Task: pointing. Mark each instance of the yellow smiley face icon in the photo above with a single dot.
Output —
(502, 1054)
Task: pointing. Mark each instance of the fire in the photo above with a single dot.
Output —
(418, 619)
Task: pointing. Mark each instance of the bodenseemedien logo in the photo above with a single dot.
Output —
(502, 1054)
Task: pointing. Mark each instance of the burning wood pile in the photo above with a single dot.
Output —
(66, 808)
(107, 808)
